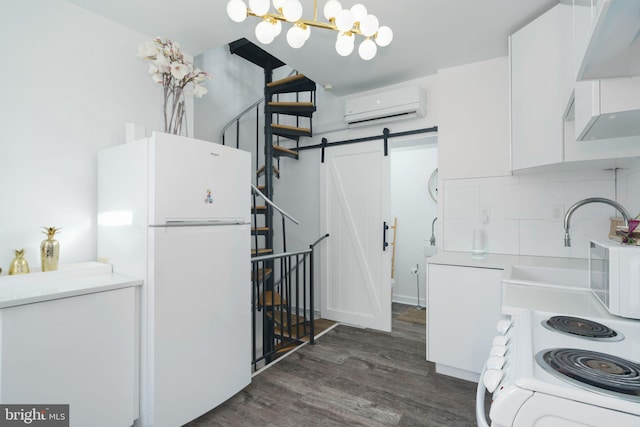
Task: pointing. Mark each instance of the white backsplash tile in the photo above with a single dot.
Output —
(526, 212)
(502, 236)
(461, 201)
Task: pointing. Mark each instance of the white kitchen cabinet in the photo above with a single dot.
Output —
(473, 120)
(72, 340)
(463, 307)
(541, 86)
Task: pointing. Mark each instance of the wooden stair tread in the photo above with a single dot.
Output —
(285, 333)
(292, 84)
(285, 150)
(281, 318)
(286, 80)
(262, 251)
(291, 128)
(275, 170)
(259, 228)
(271, 298)
(261, 273)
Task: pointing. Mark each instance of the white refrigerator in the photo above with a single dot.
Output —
(175, 211)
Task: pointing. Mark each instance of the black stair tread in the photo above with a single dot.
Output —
(290, 104)
(255, 54)
(296, 83)
(291, 132)
(300, 109)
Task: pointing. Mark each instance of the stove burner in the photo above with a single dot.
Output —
(582, 327)
(598, 371)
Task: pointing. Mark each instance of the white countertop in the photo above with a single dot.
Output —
(70, 280)
(503, 262)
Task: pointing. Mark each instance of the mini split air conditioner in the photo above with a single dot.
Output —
(397, 104)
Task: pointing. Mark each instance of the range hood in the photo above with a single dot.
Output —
(614, 46)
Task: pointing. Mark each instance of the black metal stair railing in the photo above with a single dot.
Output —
(288, 310)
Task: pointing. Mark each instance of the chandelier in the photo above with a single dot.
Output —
(346, 22)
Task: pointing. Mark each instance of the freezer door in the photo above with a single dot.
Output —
(197, 180)
(200, 301)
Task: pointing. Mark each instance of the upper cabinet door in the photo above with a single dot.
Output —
(541, 84)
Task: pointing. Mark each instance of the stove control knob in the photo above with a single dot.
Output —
(491, 379)
(498, 350)
(500, 340)
(503, 326)
(495, 362)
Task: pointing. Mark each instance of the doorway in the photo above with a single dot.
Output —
(412, 164)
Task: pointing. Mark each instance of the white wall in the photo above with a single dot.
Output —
(415, 210)
(69, 81)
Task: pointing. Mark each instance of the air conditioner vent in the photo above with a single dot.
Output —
(398, 104)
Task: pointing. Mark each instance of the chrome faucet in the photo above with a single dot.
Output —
(432, 240)
(567, 216)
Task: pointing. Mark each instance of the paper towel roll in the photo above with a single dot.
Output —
(478, 241)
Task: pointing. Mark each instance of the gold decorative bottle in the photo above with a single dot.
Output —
(19, 265)
(50, 250)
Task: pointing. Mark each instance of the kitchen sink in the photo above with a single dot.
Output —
(549, 276)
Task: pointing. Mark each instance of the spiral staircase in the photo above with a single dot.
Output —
(282, 301)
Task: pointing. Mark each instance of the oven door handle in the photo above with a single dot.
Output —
(480, 394)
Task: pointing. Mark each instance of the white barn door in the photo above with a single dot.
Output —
(355, 202)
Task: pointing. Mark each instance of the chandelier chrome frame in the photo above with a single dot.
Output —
(346, 22)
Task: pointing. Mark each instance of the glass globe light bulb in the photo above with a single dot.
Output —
(277, 28)
(237, 10)
(384, 36)
(295, 37)
(265, 32)
(307, 32)
(331, 9)
(344, 20)
(369, 25)
(367, 49)
(359, 12)
(259, 7)
(345, 44)
(292, 10)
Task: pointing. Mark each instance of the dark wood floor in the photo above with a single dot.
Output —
(352, 377)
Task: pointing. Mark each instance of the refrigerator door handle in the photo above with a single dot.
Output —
(199, 223)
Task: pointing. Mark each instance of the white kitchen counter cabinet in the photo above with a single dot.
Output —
(541, 84)
(463, 307)
(72, 337)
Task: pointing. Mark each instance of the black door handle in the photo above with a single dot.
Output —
(385, 227)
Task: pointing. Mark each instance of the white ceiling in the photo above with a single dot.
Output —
(428, 34)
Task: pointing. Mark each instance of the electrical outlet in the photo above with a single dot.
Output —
(484, 216)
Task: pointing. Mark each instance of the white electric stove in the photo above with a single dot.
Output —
(553, 369)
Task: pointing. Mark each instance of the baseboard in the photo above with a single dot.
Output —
(404, 299)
